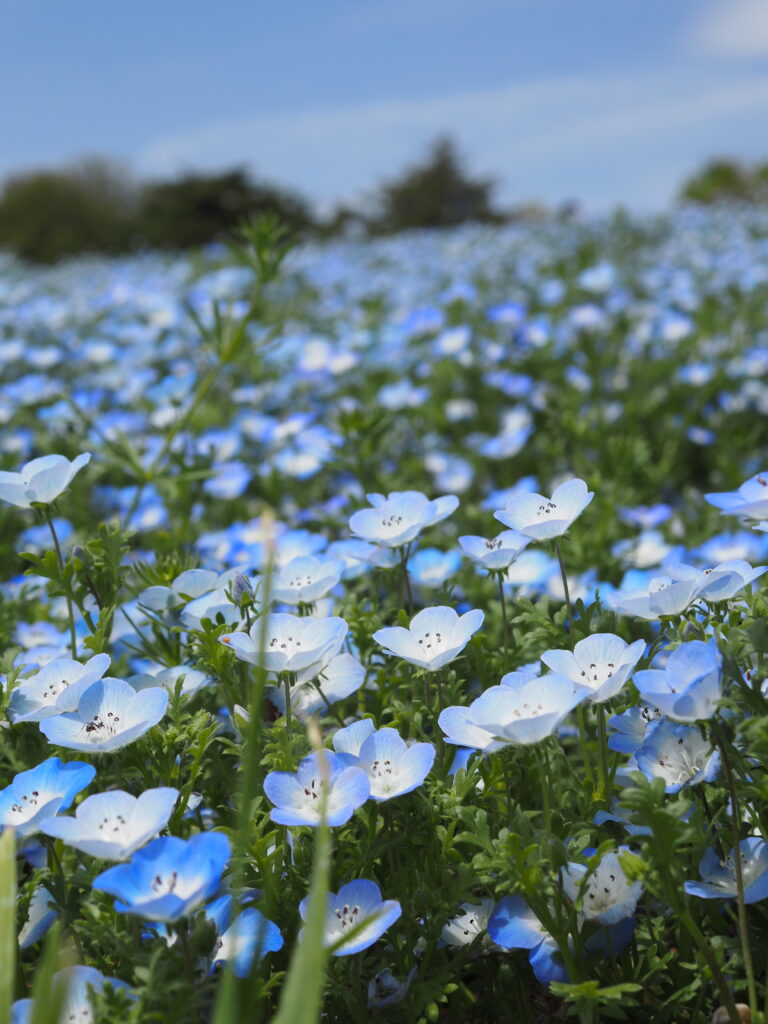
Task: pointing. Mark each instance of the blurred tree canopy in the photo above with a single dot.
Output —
(95, 207)
(727, 179)
(436, 193)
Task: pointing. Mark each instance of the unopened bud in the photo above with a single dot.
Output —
(79, 554)
(241, 588)
(721, 1015)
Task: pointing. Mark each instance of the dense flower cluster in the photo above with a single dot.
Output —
(274, 682)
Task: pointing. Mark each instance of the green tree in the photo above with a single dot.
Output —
(198, 208)
(436, 193)
(47, 215)
(727, 179)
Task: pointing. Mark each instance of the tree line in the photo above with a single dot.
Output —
(96, 207)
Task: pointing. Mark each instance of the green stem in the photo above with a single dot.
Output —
(559, 554)
(504, 623)
(746, 949)
(685, 918)
(581, 720)
(602, 734)
(287, 687)
(60, 559)
(406, 579)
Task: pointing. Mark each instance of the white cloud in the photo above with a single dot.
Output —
(588, 136)
(733, 28)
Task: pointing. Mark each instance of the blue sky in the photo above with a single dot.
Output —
(602, 100)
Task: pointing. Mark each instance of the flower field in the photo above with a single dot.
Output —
(383, 628)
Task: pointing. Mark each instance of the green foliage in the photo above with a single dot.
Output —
(48, 215)
(728, 179)
(436, 193)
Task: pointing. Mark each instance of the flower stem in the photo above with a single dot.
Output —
(60, 559)
(287, 687)
(406, 579)
(504, 623)
(559, 554)
(602, 734)
(741, 907)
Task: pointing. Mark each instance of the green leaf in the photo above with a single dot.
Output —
(8, 938)
(48, 995)
(301, 997)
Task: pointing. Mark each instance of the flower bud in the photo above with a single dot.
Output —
(241, 588)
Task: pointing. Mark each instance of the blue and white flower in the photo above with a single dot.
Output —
(399, 517)
(40, 481)
(358, 911)
(114, 825)
(76, 983)
(247, 940)
(607, 896)
(434, 638)
(393, 767)
(689, 686)
(719, 876)
(297, 795)
(679, 755)
(750, 501)
(56, 688)
(526, 710)
(169, 878)
(542, 518)
(110, 715)
(291, 643)
(41, 792)
(601, 663)
(305, 579)
(495, 554)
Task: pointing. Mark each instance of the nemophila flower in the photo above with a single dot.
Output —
(606, 893)
(646, 516)
(431, 568)
(114, 825)
(721, 582)
(291, 643)
(495, 554)
(40, 916)
(187, 586)
(679, 755)
(40, 792)
(169, 878)
(399, 518)
(297, 795)
(631, 727)
(250, 937)
(356, 910)
(719, 876)
(527, 711)
(358, 556)
(460, 727)
(110, 715)
(464, 928)
(40, 481)
(76, 983)
(342, 676)
(513, 925)
(305, 579)
(193, 679)
(750, 501)
(601, 663)
(385, 990)
(542, 518)
(392, 766)
(689, 686)
(664, 596)
(57, 687)
(435, 636)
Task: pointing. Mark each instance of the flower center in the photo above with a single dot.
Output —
(430, 640)
(23, 807)
(347, 917)
(116, 824)
(546, 510)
